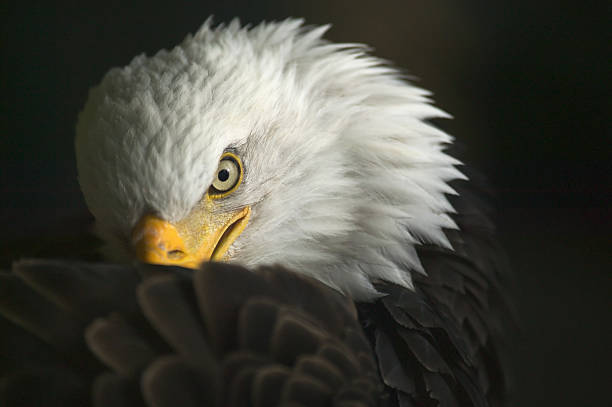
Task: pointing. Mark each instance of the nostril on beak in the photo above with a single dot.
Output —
(175, 254)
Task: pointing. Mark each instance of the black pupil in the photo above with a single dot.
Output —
(223, 175)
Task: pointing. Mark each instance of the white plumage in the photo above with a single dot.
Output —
(342, 172)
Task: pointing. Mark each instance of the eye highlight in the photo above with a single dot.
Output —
(227, 177)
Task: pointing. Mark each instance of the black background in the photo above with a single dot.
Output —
(528, 83)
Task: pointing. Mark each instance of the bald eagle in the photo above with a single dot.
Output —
(309, 240)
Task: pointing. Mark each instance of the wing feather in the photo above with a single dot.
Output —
(445, 338)
(222, 336)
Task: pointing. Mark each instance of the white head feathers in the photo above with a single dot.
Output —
(343, 174)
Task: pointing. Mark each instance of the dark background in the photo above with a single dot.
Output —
(527, 81)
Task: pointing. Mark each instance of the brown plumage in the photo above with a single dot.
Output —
(163, 336)
(78, 334)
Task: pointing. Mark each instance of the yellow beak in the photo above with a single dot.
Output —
(202, 236)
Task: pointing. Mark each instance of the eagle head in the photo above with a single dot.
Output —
(266, 145)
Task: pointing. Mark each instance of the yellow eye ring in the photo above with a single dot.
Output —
(228, 176)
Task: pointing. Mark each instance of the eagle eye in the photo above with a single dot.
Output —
(227, 177)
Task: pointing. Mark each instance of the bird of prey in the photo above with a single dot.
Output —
(285, 227)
